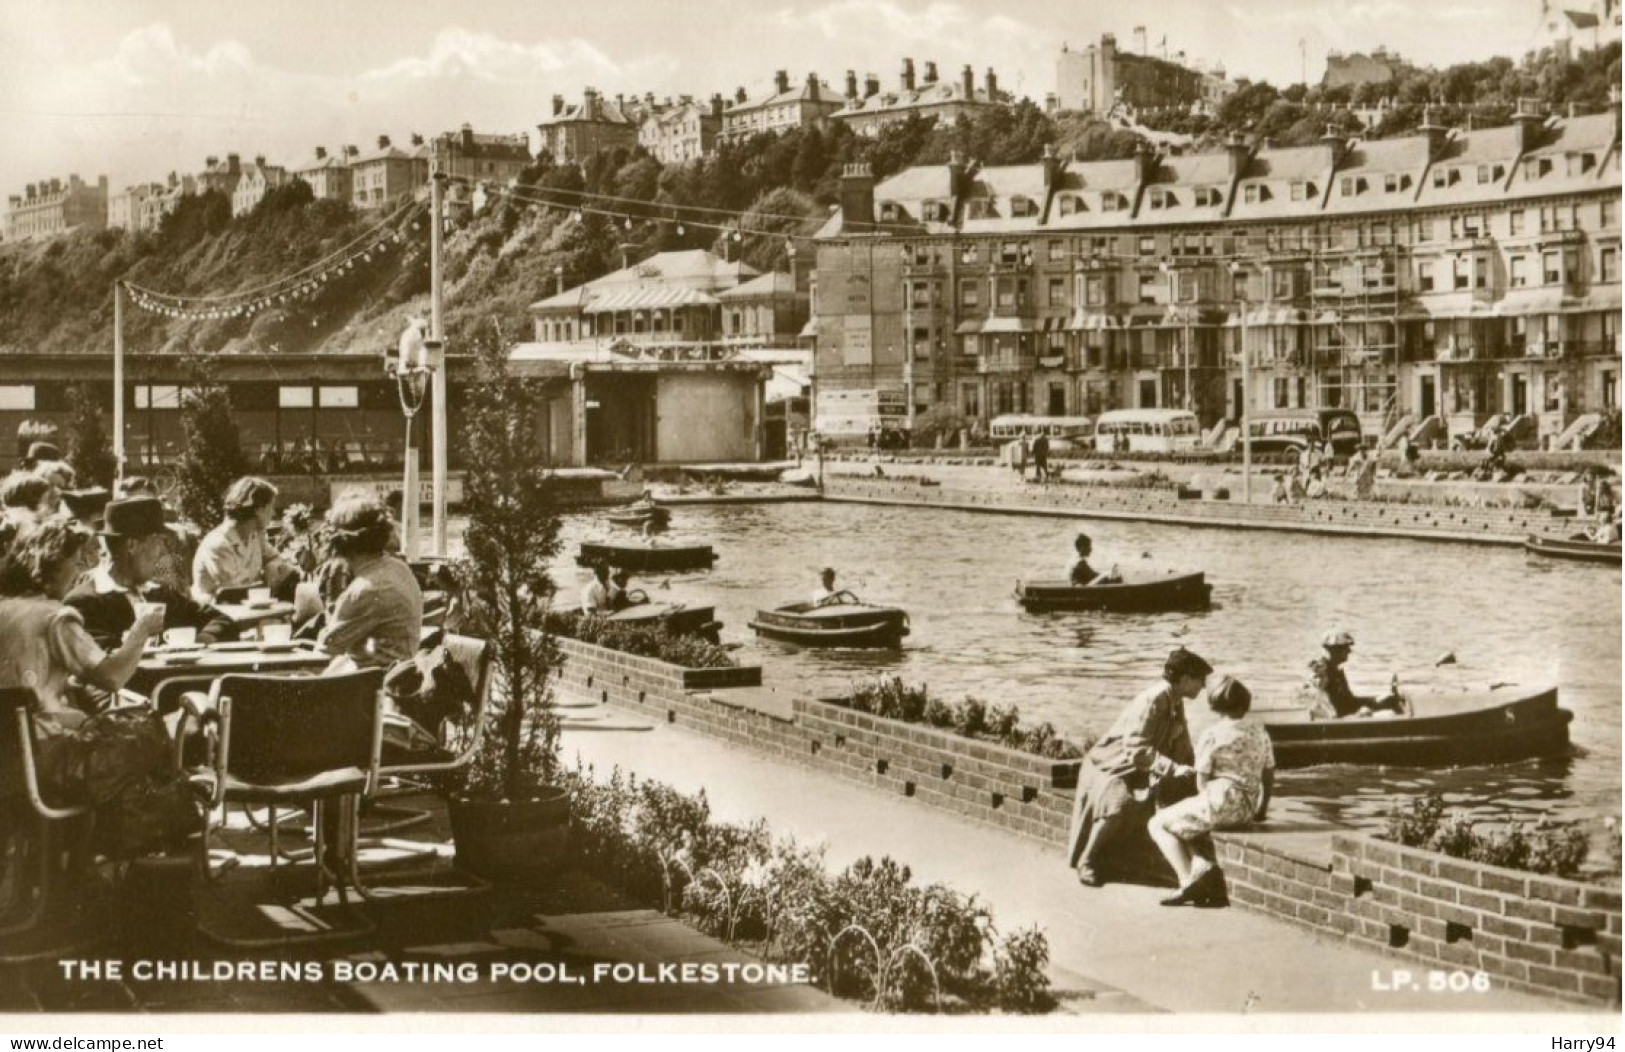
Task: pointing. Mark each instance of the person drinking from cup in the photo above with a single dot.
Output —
(237, 553)
(110, 598)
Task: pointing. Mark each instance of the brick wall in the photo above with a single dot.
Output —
(1370, 518)
(1551, 936)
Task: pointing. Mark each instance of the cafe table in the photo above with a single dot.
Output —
(252, 615)
(204, 662)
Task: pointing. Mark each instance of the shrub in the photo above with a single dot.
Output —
(212, 458)
(1019, 980)
(890, 698)
(1545, 847)
(89, 447)
(645, 641)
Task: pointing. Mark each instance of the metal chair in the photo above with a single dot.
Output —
(309, 741)
(31, 826)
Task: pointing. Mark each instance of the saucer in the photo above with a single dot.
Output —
(259, 604)
(180, 658)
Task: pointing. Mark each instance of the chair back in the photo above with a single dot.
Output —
(475, 657)
(14, 743)
(278, 729)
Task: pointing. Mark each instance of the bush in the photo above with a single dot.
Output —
(1547, 848)
(890, 698)
(213, 457)
(867, 932)
(653, 642)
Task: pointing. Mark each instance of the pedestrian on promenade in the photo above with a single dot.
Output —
(1143, 761)
(1280, 493)
(1235, 774)
(1019, 456)
(1041, 458)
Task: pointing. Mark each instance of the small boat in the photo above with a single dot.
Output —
(853, 624)
(647, 558)
(1134, 594)
(637, 516)
(676, 618)
(1578, 551)
(1505, 723)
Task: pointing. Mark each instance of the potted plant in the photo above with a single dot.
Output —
(508, 816)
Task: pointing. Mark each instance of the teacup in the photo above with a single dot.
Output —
(276, 633)
(181, 636)
(259, 596)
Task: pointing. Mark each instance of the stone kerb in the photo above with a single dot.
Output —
(1545, 934)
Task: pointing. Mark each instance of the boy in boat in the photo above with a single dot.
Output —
(825, 593)
(1079, 572)
(1328, 692)
(595, 596)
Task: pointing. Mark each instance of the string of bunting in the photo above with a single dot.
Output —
(378, 242)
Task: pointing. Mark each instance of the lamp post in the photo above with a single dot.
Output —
(435, 361)
(558, 280)
(1237, 273)
(410, 371)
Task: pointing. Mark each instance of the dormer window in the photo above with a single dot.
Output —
(1021, 207)
(888, 212)
(1395, 183)
(1536, 167)
(1354, 185)
(1161, 199)
(1580, 163)
(1443, 177)
(1071, 204)
(1208, 197)
(1256, 193)
(1112, 201)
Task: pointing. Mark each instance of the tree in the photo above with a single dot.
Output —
(512, 537)
(213, 456)
(90, 448)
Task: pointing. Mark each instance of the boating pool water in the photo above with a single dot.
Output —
(1505, 615)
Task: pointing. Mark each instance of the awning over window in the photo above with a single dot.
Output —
(1086, 321)
(1002, 324)
(650, 297)
(969, 327)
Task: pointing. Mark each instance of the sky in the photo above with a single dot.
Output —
(134, 89)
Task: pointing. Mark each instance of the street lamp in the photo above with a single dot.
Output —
(558, 280)
(411, 371)
(1237, 272)
(1185, 336)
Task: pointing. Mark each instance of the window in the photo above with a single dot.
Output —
(1281, 392)
(1021, 207)
(1483, 174)
(1208, 197)
(1256, 193)
(1470, 226)
(1071, 203)
(1424, 229)
(1010, 252)
(922, 342)
(1112, 201)
(1608, 215)
(19, 396)
(1300, 190)
(1462, 272)
(1608, 264)
(1515, 222)
(968, 294)
(1148, 246)
(340, 397)
(1517, 272)
(1394, 184)
(296, 397)
(1190, 286)
(1056, 250)
(1095, 291)
(1353, 186)
(1551, 268)
(1161, 199)
(970, 400)
(1552, 384)
(1481, 272)
(1057, 292)
(1281, 284)
(1148, 286)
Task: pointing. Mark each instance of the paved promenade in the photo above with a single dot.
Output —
(1220, 961)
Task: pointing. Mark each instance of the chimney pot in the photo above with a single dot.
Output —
(930, 72)
(558, 105)
(383, 142)
(781, 81)
(908, 74)
(321, 153)
(851, 84)
(967, 81)
(871, 85)
(858, 198)
(992, 86)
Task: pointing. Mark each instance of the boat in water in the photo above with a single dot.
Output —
(1136, 594)
(1576, 551)
(646, 557)
(636, 516)
(1499, 724)
(849, 624)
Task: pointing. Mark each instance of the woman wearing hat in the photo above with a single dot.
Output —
(378, 619)
(1235, 773)
(1145, 758)
(134, 536)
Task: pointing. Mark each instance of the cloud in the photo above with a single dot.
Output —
(874, 31)
(1379, 13)
(458, 52)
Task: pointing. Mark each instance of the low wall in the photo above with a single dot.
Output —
(1550, 936)
(1368, 518)
(1531, 932)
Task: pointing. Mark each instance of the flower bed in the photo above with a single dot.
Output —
(892, 699)
(658, 643)
(868, 933)
(1559, 850)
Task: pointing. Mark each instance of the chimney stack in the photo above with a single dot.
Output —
(967, 81)
(851, 85)
(321, 153)
(1337, 147)
(1530, 122)
(417, 140)
(956, 175)
(871, 85)
(716, 105)
(352, 151)
(992, 86)
(740, 96)
(589, 103)
(1145, 162)
(234, 163)
(1053, 166)
(1238, 150)
(259, 160)
(930, 73)
(908, 74)
(383, 142)
(1437, 134)
(858, 199)
(558, 105)
(1613, 107)
(812, 86)
(781, 81)
(210, 162)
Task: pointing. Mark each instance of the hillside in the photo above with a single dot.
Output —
(748, 198)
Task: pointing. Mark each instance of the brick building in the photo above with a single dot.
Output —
(571, 134)
(925, 96)
(1450, 275)
(50, 208)
(258, 179)
(681, 133)
(480, 157)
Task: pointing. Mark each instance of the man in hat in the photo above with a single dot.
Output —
(133, 540)
(1328, 691)
(86, 505)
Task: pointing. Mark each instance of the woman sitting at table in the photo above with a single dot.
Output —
(120, 762)
(134, 537)
(378, 618)
(237, 554)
